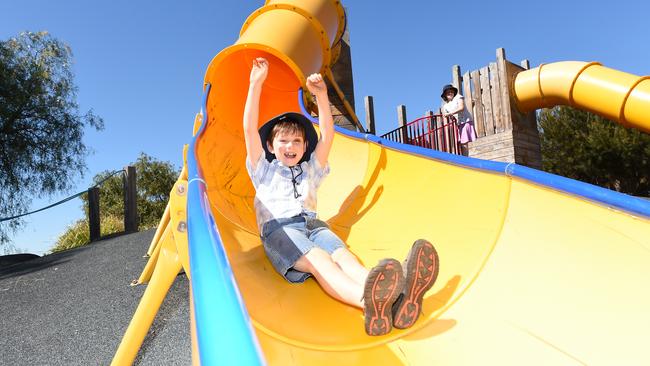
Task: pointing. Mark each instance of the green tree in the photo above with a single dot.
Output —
(590, 148)
(41, 128)
(154, 181)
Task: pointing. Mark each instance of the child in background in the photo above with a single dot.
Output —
(453, 106)
(287, 163)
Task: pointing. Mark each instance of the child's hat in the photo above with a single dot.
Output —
(448, 87)
(311, 137)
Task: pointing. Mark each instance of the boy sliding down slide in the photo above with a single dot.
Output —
(287, 163)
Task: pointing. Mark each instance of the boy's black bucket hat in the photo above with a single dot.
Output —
(311, 137)
(448, 87)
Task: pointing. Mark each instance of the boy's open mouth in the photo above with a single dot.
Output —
(290, 155)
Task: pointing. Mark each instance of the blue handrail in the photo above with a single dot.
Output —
(223, 330)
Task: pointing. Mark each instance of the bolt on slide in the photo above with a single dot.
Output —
(534, 268)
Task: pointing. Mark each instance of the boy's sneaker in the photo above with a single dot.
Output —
(384, 284)
(421, 272)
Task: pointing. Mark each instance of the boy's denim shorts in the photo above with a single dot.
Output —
(287, 239)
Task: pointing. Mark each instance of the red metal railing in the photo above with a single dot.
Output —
(433, 132)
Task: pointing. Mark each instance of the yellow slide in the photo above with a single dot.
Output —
(535, 269)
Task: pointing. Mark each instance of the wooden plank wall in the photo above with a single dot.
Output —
(486, 97)
(504, 133)
(477, 105)
(482, 97)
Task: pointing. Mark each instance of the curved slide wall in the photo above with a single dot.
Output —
(535, 269)
(614, 94)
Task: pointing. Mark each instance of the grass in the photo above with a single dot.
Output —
(78, 234)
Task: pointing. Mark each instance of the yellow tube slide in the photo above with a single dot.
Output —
(529, 275)
(615, 95)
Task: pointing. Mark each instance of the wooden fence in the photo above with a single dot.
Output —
(487, 93)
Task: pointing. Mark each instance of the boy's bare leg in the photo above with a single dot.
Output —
(350, 265)
(331, 277)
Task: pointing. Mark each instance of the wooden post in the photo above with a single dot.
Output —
(505, 87)
(402, 121)
(467, 93)
(525, 64)
(497, 103)
(370, 115)
(456, 78)
(479, 115)
(130, 200)
(486, 97)
(93, 213)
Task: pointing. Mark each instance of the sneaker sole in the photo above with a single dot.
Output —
(421, 273)
(384, 284)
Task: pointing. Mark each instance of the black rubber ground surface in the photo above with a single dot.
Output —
(72, 308)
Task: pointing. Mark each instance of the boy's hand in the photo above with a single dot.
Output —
(316, 84)
(259, 71)
(318, 88)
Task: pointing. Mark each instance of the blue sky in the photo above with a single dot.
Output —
(140, 64)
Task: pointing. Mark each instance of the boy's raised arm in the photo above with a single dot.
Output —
(252, 110)
(317, 86)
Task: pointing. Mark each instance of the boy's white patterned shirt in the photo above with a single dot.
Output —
(275, 196)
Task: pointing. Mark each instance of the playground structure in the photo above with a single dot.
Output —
(535, 268)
